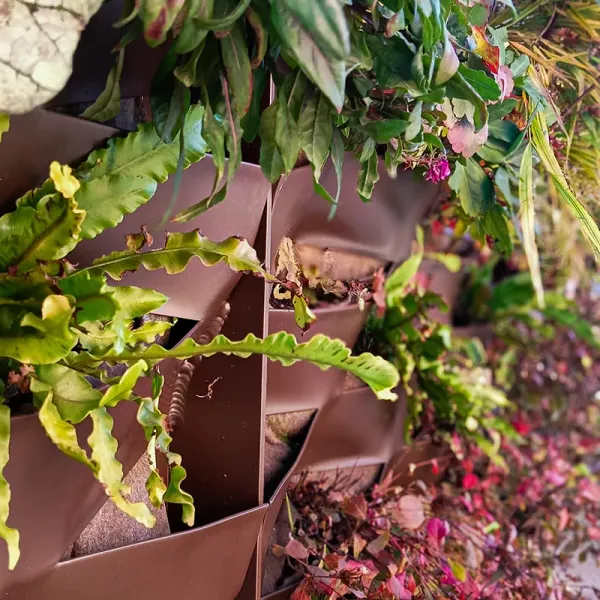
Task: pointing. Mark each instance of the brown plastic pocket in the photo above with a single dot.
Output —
(54, 497)
(383, 228)
(209, 563)
(353, 429)
(304, 386)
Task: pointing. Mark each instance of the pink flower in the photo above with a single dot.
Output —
(465, 140)
(439, 170)
(504, 78)
(437, 530)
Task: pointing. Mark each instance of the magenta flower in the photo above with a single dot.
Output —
(437, 530)
(439, 169)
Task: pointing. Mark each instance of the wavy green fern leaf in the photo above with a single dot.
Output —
(179, 249)
(109, 471)
(321, 351)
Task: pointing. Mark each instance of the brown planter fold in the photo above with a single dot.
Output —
(54, 497)
(37, 138)
(382, 228)
(353, 429)
(304, 386)
(208, 563)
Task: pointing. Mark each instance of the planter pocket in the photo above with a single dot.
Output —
(209, 563)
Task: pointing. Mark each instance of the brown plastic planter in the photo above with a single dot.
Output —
(353, 429)
(304, 386)
(383, 228)
(208, 563)
(284, 594)
(53, 497)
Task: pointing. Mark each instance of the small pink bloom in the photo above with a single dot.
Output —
(504, 78)
(439, 170)
(465, 140)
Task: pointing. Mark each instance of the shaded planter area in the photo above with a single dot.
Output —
(213, 559)
(54, 494)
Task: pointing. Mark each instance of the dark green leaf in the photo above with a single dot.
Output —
(108, 103)
(368, 177)
(294, 87)
(316, 132)
(251, 121)
(271, 161)
(260, 36)
(318, 36)
(234, 51)
(472, 186)
(187, 73)
(482, 83)
(222, 22)
(233, 133)
(383, 131)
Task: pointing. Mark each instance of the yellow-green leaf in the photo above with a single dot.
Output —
(527, 218)
(8, 534)
(122, 390)
(109, 470)
(541, 142)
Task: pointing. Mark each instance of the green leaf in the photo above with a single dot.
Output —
(396, 283)
(478, 16)
(337, 158)
(541, 143)
(495, 223)
(271, 161)
(123, 388)
(93, 301)
(47, 232)
(197, 209)
(448, 64)
(472, 186)
(179, 249)
(251, 121)
(108, 103)
(392, 60)
(287, 134)
(8, 534)
(482, 83)
(144, 154)
(385, 130)
(152, 421)
(175, 495)
(415, 124)
(318, 36)
(170, 101)
(41, 339)
(109, 470)
(108, 199)
(368, 177)
(221, 22)
(452, 262)
(303, 316)
(320, 350)
(72, 394)
(96, 338)
(62, 434)
(234, 52)
(316, 132)
(527, 219)
(294, 89)
(233, 133)
(4, 124)
(136, 302)
(260, 36)
(459, 87)
(187, 73)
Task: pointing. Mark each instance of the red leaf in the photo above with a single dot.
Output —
(301, 593)
(296, 550)
(483, 48)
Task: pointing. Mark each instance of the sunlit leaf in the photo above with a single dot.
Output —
(8, 534)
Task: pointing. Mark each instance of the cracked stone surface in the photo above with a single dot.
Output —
(37, 43)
